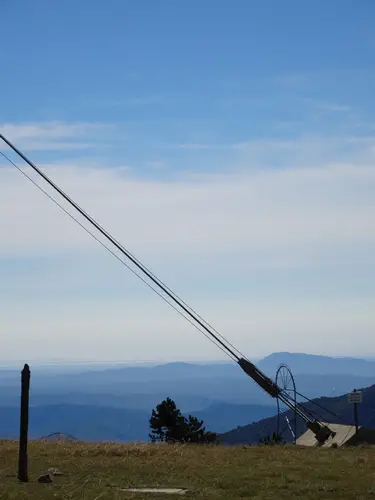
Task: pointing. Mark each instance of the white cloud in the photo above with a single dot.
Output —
(239, 220)
(291, 211)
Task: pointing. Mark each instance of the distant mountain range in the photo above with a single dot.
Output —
(220, 394)
(86, 423)
(310, 364)
(219, 417)
(103, 423)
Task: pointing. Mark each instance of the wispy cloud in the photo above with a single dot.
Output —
(53, 135)
(331, 106)
(133, 101)
(309, 80)
(200, 146)
(308, 150)
(317, 104)
(255, 101)
(286, 101)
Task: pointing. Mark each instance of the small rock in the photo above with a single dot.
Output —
(55, 472)
(45, 478)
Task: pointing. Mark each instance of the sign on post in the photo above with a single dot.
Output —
(355, 397)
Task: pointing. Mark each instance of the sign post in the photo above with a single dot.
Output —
(355, 398)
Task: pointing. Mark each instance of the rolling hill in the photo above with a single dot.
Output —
(219, 417)
(336, 410)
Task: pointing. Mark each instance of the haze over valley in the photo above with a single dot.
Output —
(115, 403)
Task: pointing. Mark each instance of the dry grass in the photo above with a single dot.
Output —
(96, 471)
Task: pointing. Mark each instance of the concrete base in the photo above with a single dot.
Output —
(164, 491)
(345, 436)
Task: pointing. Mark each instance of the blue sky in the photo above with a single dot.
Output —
(230, 145)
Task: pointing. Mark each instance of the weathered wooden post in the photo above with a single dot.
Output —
(24, 424)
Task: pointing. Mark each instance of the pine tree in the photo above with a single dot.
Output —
(168, 424)
(196, 433)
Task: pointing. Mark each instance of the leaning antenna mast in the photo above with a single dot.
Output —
(321, 431)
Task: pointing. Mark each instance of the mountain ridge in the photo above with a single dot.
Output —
(331, 410)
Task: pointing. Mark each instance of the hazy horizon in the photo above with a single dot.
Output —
(62, 364)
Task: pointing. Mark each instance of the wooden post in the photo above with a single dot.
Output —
(24, 424)
(356, 415)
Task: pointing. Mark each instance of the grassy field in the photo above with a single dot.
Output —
(99, 471)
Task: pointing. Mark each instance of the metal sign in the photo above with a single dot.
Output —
(355, 397)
